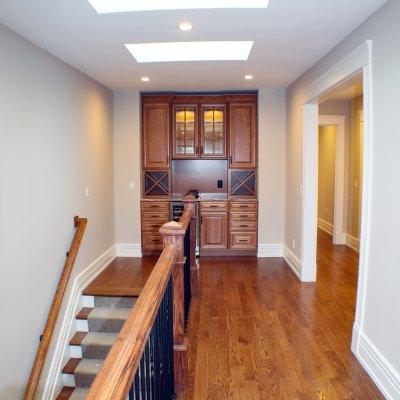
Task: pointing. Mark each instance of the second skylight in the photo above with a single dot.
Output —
(190, 51)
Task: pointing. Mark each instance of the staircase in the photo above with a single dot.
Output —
(98, 325)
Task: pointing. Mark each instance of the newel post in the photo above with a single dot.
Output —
(189, 202)
(174, 233)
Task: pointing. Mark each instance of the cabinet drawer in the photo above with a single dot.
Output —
(242, 216)
(244, 240)
(238, 206)
(151, 205)
(151, 226)
(213, 205)
(243, 225)
(155, 216)
(152, 242)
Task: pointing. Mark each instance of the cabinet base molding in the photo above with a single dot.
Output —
(227, 252)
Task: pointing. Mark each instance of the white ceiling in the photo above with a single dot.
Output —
(290, 36)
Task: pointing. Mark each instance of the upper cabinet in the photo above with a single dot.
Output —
(185, 131)
(155, 135)
(243, 135)
(213, 131)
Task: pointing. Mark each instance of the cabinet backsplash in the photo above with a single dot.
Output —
(202, 175)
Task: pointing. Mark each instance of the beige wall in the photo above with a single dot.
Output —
(271, 161)
(326, 173)
(382, 293)
(55, 139)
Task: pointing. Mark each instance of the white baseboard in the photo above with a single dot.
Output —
(293, 262)
(270, 250)
(129, 250)
(352, 242)
(325, 226)
(379, 368)
(60, 355)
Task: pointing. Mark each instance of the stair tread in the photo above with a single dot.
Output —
(70, 366)
(84, 313)
(109, 313)
(93, 338)
(65, 393)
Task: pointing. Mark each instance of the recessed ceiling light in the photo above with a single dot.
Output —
(185, 26)
(190, 51)
(248, 77)
(145, 78)
(107, 6)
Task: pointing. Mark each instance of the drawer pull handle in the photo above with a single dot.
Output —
(156, 241)
(243, 216)
(154, 216)
(243, 226)
(243, 241)
(244, 206)
(156, 226)
(213, 206)
(155, 206)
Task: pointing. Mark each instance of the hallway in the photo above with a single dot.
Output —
(256, 332)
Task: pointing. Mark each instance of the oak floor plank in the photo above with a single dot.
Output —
(257, 332)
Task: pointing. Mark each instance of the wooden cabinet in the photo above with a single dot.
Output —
(154, 215)
(185, 141)
(155, 135)
(197, 136)
(213, 131)
(214, 225)
(243, 135)
(243, 226)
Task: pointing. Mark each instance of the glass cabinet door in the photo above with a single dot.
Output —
(213, 132)
(185, 132)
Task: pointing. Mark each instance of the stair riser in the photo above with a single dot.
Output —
(82, 325)
(68, 380)
(114, 302)
(105, 325)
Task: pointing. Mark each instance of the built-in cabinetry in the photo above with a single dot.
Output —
(228, 225)
(154, 215)
(180, 128)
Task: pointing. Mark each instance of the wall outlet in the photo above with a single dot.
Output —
(87, 192)
(131, 185)
(293, 243)
(220, 184)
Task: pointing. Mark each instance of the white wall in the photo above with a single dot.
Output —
(272, 160)
(271, 166)
(127, 166)
(382, 316)
(55, 139)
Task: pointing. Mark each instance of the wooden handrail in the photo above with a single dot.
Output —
(118, 371)
(31, 388)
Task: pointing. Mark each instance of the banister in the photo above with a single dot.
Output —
(34, 378)
(117, 373)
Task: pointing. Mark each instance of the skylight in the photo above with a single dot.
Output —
(111, 6)
(190, 51)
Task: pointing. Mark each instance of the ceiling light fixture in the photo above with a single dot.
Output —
(185, 26)
(144, 78)
(190, 51)
(107, 6)
(248, 77)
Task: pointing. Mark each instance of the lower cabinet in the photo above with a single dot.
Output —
(154, 215)
(229, 225)
(214, 230)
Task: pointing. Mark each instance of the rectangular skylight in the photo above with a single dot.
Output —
(110, 6)
(190, 51)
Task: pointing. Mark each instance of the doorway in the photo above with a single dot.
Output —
(358, 61)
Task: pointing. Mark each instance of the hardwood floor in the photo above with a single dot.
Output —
(123, 277)
(256, 332)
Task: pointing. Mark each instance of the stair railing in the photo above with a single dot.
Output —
(149, 357)
(45, 338)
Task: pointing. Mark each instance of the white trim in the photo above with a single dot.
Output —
(325, 226)
(293, 262)
(310, 193)
(350, 64)
(352, 242)
(61, 354)
(129, 250)
(340, 122)
(379, 368)
(270, 250)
